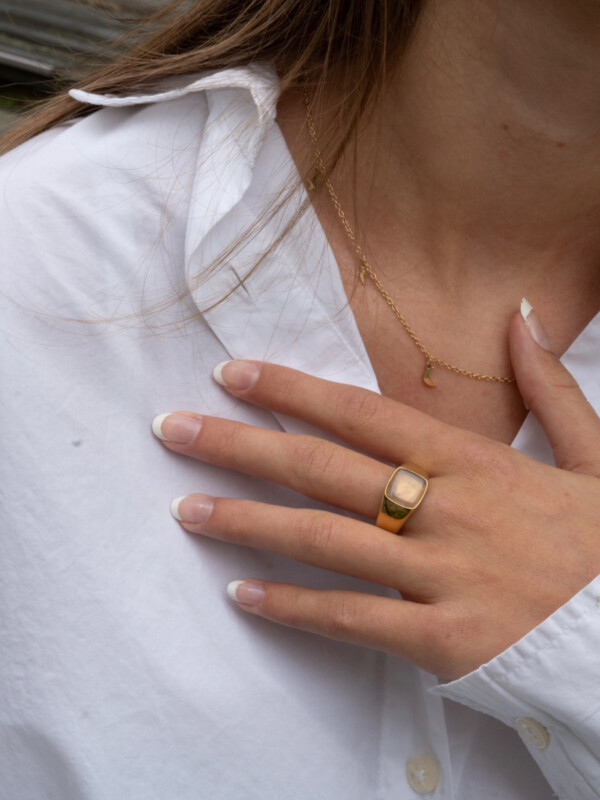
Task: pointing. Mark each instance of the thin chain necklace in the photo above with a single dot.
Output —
(320, 178)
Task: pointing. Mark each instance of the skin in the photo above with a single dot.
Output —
(475, 573)
(477, 183)
(485, 178)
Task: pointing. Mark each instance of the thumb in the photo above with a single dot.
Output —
(569, 421)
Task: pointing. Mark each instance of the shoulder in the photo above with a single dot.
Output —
(140, 136)
(86, 203)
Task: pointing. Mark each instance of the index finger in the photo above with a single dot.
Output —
(378, 425)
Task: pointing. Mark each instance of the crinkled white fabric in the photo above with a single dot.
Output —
(125, 671)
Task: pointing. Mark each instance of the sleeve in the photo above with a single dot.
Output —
(547, 686)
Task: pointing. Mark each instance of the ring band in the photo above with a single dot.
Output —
(403, 494)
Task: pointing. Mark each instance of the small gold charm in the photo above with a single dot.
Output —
(426, 379)
(363, 272)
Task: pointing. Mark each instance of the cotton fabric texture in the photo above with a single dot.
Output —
(125, 670)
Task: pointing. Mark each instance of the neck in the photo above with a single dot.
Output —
(487, 146)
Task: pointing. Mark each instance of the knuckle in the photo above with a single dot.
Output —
(311, 459)
(453, 632)
(289, 612)
(453, 508)
(358, 408)
(472, 451)
(222, 440)
(549, 381)
(277, 381)
(340, 615)
(433, 629)
(439, 632)
(556, 376)
(490, 460)
(567, 382)
(284, 384)
(443, 503)
(314, 532)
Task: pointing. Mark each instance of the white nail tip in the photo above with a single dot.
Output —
(157, 426)
(217, 373)
(526, 308)
(232, 590)
(175, 508)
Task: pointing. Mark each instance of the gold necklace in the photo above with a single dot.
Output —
(316, 182)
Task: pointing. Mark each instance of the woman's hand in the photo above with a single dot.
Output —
(499, 542)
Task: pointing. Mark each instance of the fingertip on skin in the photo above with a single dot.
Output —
(520, 343)
(526, 308)
(534, 325)
(519, 335)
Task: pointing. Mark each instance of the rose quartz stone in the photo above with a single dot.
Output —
(406, 488)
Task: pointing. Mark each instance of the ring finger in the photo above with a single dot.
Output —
(310, 465)
(320, 538)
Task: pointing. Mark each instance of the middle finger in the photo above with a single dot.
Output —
(312, 466)
(320, 538)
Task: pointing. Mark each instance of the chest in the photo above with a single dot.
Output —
(493, 410)
(467, 333)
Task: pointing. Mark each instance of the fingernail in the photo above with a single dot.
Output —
(194, 508)
(236, 374)
(249, 593)
(534, 323)
(176, 428)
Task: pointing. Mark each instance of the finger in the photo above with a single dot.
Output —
(314, 467)
(378, 425)
(400, 627)
(322, 539)
(569, 421)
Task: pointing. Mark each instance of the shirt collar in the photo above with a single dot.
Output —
(283, 310)
(259, 80)
(292, 308)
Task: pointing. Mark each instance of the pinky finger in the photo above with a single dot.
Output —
(400, 627)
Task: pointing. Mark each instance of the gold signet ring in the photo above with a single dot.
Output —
(403, 494)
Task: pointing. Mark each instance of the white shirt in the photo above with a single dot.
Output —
(125, 670)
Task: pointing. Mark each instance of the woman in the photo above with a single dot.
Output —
(449, 154)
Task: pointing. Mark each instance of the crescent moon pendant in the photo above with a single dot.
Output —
(426, 379)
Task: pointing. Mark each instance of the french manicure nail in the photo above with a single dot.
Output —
(192, 508)
(534, 323)
(176, 428)
(248, 593)
(236, 374)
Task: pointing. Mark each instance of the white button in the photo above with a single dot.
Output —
(423, 773)
(533, 732)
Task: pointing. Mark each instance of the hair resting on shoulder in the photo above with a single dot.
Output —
(312, 44)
